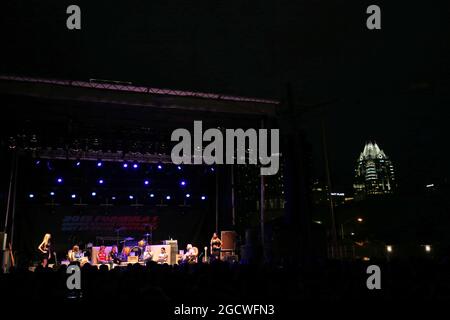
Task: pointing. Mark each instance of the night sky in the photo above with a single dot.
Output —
(389, 85)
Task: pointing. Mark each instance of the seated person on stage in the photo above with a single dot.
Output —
(148, 255)
(76, 254)
(114, 255)
(190, 255)
(162, 258)
(125, 253)
(101, 256)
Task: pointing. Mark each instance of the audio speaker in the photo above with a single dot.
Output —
(2, 241)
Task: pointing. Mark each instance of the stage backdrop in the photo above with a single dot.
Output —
(71, 225)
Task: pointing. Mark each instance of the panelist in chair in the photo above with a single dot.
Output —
(191, 255)
(162, 257)
(114, 255)
(102, 258)
(148, 255)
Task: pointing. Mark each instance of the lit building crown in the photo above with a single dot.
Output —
(374, 174)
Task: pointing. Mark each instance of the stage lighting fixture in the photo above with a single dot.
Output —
(135, 166)
(130, 197)
(168, 197)
(125, 165)
(78, 163)
(31, 196)
(179, 167)
(203, 197)
(59, 180)
(37, 162)
(93, 194)
(113, 198)
(188, 195)
(152, 195)
(99, 164)
(101, 181)
(73, 196)
(52, 193)
(212, 169)
(146, 182)
(159, 167)
(182, 183)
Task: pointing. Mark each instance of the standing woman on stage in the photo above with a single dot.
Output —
(215, 246)
(45, 248)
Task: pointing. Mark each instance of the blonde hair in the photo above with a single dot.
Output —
(46, 239)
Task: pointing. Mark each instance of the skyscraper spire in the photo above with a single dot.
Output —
(374, 174)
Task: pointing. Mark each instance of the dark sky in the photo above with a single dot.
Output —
(389, 85)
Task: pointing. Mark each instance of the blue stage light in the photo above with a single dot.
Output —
(179, 167)
(135, 166)
(188, 195)
(78, 163)
(99, 164)
(146, 182)
(168, 197)
(113, 198)
(101, 181)
(125, 165)
(203, 197)
(159, 167)
(183, 183)
(152, 195)
(130, 197)
(59, 180)
(94, 194)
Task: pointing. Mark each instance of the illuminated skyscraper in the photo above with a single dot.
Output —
(374, 174)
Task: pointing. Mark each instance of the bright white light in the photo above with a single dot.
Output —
(430, 185)
(389, 248)
(427, 248)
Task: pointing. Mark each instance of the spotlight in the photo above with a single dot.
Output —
(159, 167)
(135, 166)
(37, 162)
(94, 194)
(73, 196)
(146, 182)
(52, 193)
(179, 167)
(101, 181)
(168, 197)
(59, 180)
(130, 197)
(212, 169)
(203, 197)
(113, 198)
(31, 196)
(183, 183)
(152, 195)
(125, 165)
(99, 164)
(188, 195)
(78, 163)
